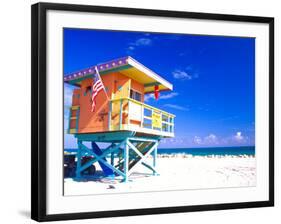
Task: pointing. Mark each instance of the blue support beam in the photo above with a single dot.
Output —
(107, 171)
(79, 158)
(126, 161)
(134, 151)
(112, 158)
(97, 158)
(144, 157)
(149, 167)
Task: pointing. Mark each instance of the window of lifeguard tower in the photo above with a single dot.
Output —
(135, 95)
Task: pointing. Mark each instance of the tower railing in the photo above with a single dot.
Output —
(132, 115)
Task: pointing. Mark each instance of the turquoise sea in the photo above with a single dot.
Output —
(244, 150)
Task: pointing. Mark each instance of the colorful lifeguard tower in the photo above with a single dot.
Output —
(121, 117)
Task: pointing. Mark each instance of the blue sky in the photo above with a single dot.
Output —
(213, 78)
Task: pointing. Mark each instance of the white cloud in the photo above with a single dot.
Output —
(177, 107)
(168, 96)
(149, 96)
(142, 42)
(68, 89)
(131, 48)
(188, 73)
(197, 140)
(163, 141)
(180, 74)
(211, 139)
(238, 137)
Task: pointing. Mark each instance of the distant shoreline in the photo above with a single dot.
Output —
(240, 151)
(211, 147)
(210, 151)
(184, 155)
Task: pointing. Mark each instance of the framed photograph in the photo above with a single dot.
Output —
(138, 111)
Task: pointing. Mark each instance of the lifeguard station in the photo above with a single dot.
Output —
(120, 118)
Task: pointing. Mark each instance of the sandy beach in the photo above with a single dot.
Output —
(176, 172)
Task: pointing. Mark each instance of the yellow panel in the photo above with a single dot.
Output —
(138, 75)
(115, 115)
(72, 131)
(121, 90)
(156, 120)
(75, 107)
(142, 78)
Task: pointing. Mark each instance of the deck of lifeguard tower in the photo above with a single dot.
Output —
(120, 117)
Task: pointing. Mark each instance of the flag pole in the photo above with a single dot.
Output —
(97, 72)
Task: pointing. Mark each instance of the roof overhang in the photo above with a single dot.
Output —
(126, 66)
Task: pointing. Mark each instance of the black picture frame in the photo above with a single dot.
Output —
(39, 121)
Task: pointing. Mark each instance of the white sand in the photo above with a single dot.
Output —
(176, 173)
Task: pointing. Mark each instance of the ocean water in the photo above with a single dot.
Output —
(222, 151)
(244, 150)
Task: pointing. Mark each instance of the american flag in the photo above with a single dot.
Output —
(97, 87)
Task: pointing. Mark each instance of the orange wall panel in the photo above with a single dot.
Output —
(117, 85)
(96, 121)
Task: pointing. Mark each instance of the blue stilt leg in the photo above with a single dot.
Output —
(106, 170)
(126, 163)
(79, 155)
(112, 158)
